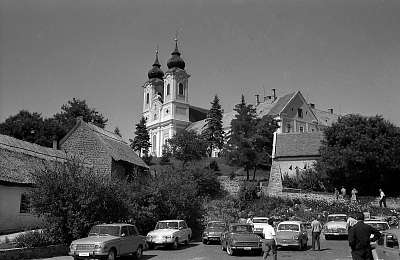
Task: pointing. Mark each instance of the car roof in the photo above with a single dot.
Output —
(292, 222)
(337, 215)
(239, 224)
(375, 221)
(260, 218)
(114, 225)
(171, 220)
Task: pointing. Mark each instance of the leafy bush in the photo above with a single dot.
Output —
(207, 183)
(309, 180)
(147, 158)
(33, 239)
(214, 166)
(247, 193)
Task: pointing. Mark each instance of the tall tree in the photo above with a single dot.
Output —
(363, 152)
(117, 131)
(240, 148)
(213, 133)
(141, 142)
(187, 146)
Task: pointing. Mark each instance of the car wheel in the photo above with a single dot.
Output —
(187, 240)
(204, 241)
(150, 246)
(76, 258)
(222, 246)
(327, 237)
(139, 253)
(175, 244)
(229, 250)
(111, 255)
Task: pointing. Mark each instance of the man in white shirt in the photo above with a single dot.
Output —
(382, 198)
(269, 241)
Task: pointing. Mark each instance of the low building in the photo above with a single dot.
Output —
(108, 152)
(18, 161)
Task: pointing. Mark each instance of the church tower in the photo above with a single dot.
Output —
(166, 101)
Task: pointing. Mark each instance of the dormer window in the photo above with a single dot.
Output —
(180, 90)
(300, 113)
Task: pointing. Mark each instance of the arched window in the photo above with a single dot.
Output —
(154, 144)
(168, 89)
(180, 89)
(147, 98)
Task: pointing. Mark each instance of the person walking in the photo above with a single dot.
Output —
(316, 228)
(336, 193)
(269, 241)
(382, 198)
(343, 192)
(353, 198)
(360, 238)
(250, 219)
(351, 221)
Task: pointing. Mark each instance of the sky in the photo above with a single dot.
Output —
(341, 54)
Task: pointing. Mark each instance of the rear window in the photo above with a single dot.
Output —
(337, 218)
(379, 226)
(216, 225)
(242, 228)
(261, 220)
(289, 227)
(167, 225)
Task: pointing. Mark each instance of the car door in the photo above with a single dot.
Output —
(303, 230)
(133, 241)
(186, 230)
(391, 247)
(124, 241)
(181, 231)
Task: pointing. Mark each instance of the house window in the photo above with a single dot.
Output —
(168, 89)
(147, 98)
(301, 129)
(180, 89)
(25, 204)
(300, 113)
(288, 128)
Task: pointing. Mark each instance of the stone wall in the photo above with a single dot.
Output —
(275, 180)
(83, 142)
(232, 186)
(33, 253)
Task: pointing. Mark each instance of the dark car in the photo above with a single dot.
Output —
(213, 231)
(240, 237)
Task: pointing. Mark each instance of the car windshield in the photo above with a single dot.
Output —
(216, 225)
(288, 227)
(104, 230)
(260, 220)
(242, 228)
(167, 225)
(337, 218)
(379, 226)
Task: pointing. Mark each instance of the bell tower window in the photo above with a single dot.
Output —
(147, 98)
(168, 89)
(180, 90)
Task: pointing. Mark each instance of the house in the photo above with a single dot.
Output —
(18, 161)
(108, 152)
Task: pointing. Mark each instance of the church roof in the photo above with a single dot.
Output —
(325, 118)
(226, 122)
(176, 61)
(298, 144)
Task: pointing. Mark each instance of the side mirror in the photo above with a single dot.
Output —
(123, 234)
(180, 228)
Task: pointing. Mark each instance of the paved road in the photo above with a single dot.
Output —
(331, 250)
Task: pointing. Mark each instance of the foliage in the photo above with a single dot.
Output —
(363, 152)
(147, 158)
(35, 238)
(72, 198)
(31, 127)
(187, 146)
(213, 133)
(141, 142)
(247, 193)
(166, 155)
(308, 179)
(225, 209)
(207, 182)
(214, 166)
(117, 131)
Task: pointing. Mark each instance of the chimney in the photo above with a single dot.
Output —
(330, 110)
(257, 99)
(312, 105)
(274, 93)
(55, 144)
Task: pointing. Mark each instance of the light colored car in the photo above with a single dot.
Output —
(109, 241)
(259, 224)
(335, 226)
(388, 245)
(169, 233)
(240, 237)
(213, 231)
(292, 233)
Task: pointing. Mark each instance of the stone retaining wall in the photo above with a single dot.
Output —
(232, 186)
(33, 253)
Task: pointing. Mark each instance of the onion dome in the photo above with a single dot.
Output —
(176, 61)
(156, 72)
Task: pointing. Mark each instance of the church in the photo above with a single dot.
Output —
(167, 109)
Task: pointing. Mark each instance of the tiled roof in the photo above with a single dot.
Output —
(197, 113)
(279, 104)
(117, 147)
(298, 144)
(19, 159)
(324, 117)
(226, 123)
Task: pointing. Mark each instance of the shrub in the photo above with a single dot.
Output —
(33, 239)
(147, 158)
(309, 180)
(247, 194)
(214, 166)
(207, 182)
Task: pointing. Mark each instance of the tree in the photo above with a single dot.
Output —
(141, 142)
(213, 133)
(25, 126)
(187, 146)
(117, 131)
(363, 152)
(240, 148)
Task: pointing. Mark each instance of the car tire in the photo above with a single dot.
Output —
(229, 250)
(150, 246)
(139, 253)
(327, 237)
(204, 241)
(112, 255)
(222, 246)
(175, 244)
(187, 241)
(76, 258)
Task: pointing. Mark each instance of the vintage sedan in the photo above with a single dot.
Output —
(169, 233)
(240, 237)
(292, 233)
(379, 225)
(213, 231)
(109, 241)
(336, 226)
(259, 224)
(388, 245)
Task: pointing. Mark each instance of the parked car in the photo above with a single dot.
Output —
(292, 233)
(169, 233)
(213, 231)
(380, 225)
(258, 225)
(109, 241)
(240, 237)
(388, 245)
(336, 226)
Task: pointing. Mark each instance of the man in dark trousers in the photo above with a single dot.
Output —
(359, 239)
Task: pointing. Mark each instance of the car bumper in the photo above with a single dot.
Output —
(160, 241)
(246, 248)
(335, 233)
(89, 254)
(212, 238)
(287, 242)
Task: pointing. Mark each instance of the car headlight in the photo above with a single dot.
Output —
(205, 233)
(98, 246)
(168, 237)
(72, 247)
(149, 237)
(296, 237)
